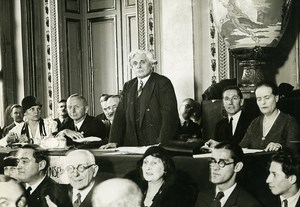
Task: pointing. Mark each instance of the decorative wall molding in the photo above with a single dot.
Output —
(52, 55)
(146, 25)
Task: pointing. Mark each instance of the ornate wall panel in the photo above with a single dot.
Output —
(52, 54)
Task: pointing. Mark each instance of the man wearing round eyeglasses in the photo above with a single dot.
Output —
(81, 171)
(226, 162)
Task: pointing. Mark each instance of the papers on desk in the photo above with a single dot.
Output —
(248, 151)
(125, 150)
(88, 139)
(133, 150)
(245, 150)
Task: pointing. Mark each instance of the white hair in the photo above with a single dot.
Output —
(117, 192)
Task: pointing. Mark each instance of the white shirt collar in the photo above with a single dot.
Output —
(34, 186)
(235, 119)
(227, 193)
(145, 79)
(19, 124)
(83, 192)
(79, 124)
(292, 201)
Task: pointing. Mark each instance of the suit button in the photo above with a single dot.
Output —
(147, 109)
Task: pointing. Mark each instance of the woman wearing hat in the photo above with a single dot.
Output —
(161, 183)
(34, 128)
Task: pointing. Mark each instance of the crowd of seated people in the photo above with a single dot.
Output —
(146, 114)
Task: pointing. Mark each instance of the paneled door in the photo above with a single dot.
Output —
(96, 37)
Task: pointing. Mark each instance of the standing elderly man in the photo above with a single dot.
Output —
(284, 179)
(147, 113)
(234, 126)
(32, 167)
(83, 125)
(225, 164)
(81, 171)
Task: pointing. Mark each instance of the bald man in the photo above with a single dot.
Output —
(117, 192)
(11, 192)
(81, 170)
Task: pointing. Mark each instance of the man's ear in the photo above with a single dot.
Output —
(292, 179)
(277, 98)
(42, 165)
(242, 102)
(86, 109)
(238, 167)
(96, 168)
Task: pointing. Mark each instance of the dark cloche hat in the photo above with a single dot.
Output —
(30, 101)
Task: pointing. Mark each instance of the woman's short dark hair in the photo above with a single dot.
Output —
(161, 153)
(269, 84)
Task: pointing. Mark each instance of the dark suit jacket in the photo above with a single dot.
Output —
(192, 130)
(178, 190)
(278, 203)
(61, 125)
(56, 192)
(158, 117)
(239, 197)
(8, 128)
(90, 127)
(221, 133)
(87, 202)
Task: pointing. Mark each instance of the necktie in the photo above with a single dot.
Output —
(230, 126)
(217, 202)
(28, 190)
(140, 88)
(284, 203)
(77, 202)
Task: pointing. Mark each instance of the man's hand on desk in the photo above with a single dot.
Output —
(70, 133)
(109, 146)
(210, 143)
(272, 146)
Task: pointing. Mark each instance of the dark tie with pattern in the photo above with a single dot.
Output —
(284, 203)
(140, 88)
(77, 202)
(217, 202)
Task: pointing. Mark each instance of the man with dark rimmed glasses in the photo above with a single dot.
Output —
(226, 162)
(81, 170)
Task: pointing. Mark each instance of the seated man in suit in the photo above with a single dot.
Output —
(11, 192)
(225, 164)
(188, 130)
(103, 98)
(234, 126)
(110, 108)
(17, 115)
(117, 192)
(63, 116)
(284, 179)
(32, 167)
(81, 170)
(83, 125)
